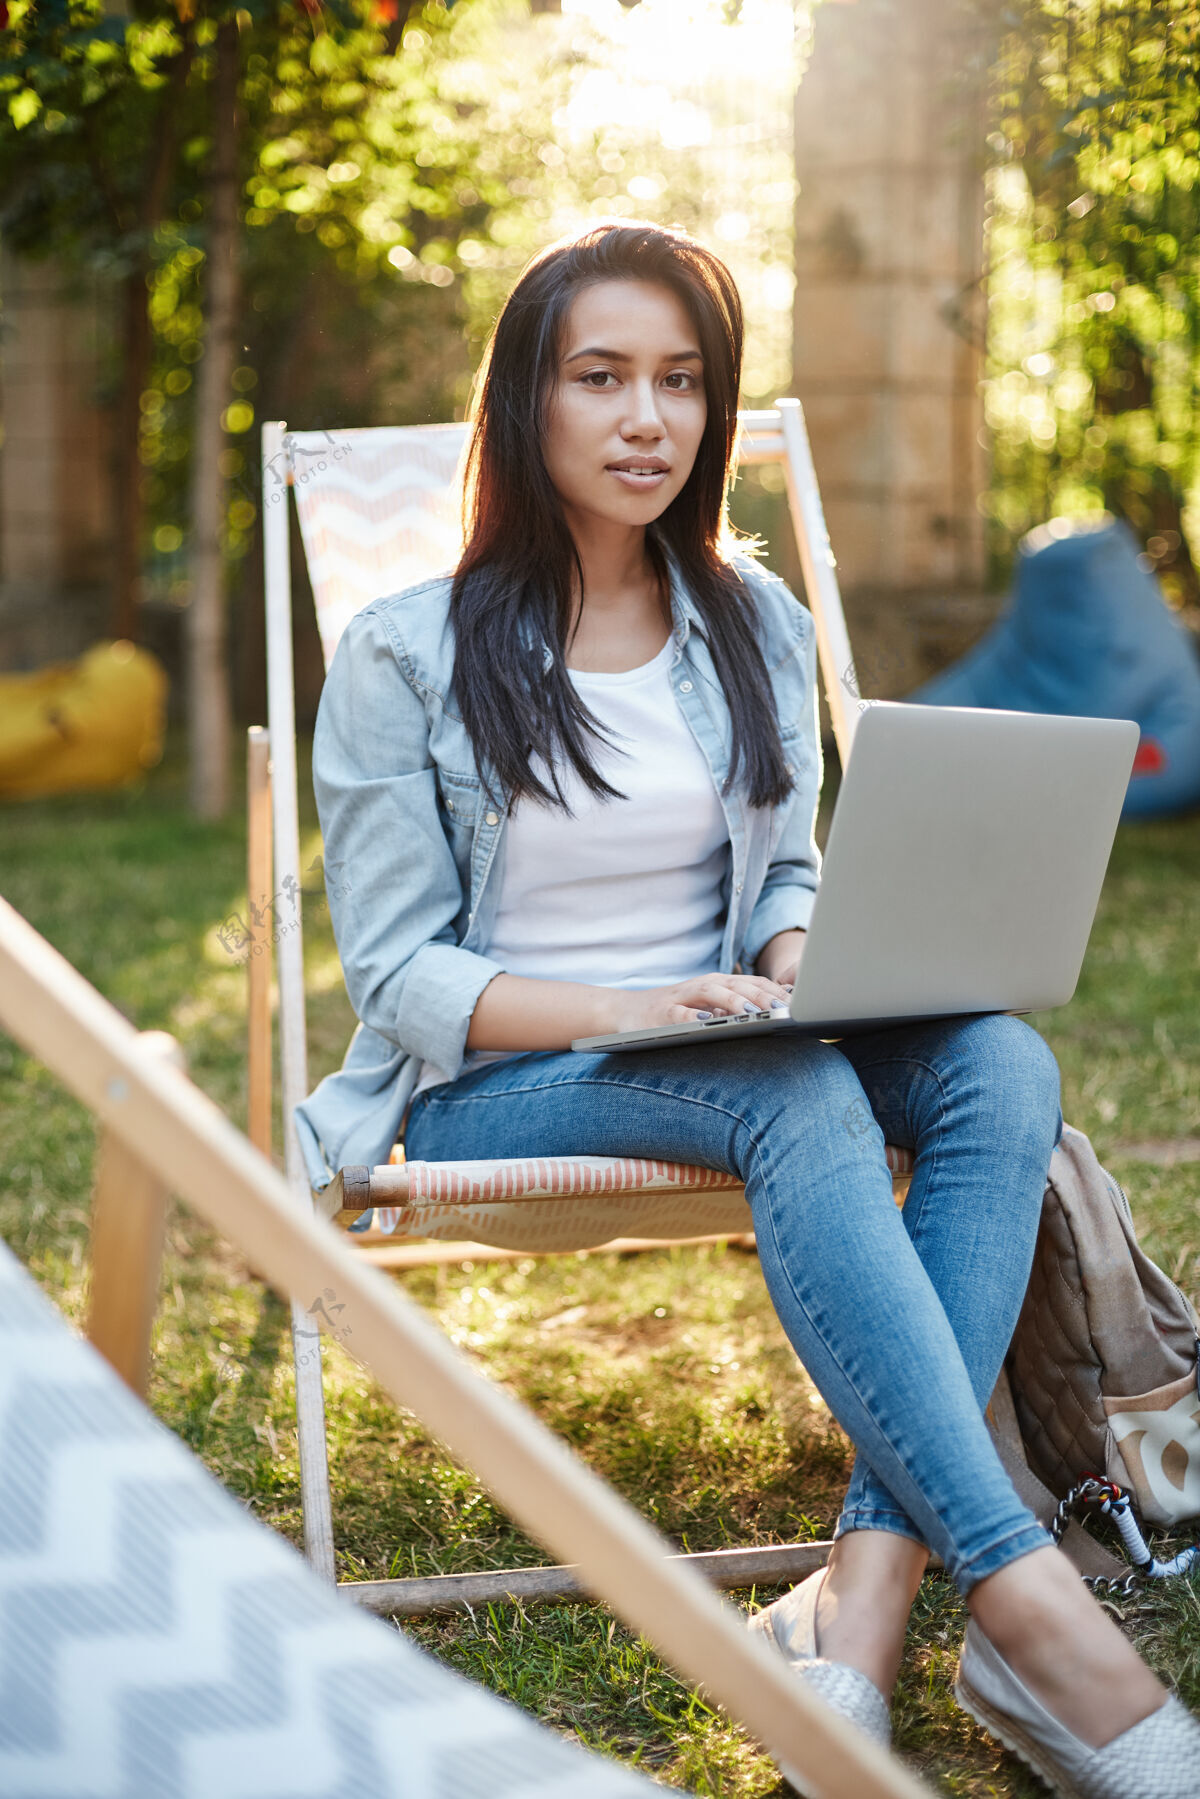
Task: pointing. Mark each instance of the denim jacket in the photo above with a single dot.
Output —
(420, 848)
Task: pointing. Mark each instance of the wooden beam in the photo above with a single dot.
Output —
(772, 1565)
(259, 893)
(428, 1253)
(820, 577)
(355, 1189)
(293, 1044)
(129, 1218)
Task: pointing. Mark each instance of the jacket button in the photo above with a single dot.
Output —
(685, 687)
(739, 886)
(491, 819)
(449, 805)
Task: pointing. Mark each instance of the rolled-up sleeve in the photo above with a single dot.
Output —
(393, 884)
(789, 890)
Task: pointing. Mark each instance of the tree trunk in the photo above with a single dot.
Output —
(136, 354)
(209, 722)
(130, 509)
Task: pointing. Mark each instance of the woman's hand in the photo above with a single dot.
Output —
(703, 996)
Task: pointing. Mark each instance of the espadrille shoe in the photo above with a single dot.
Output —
(1156, 1759)
(790, 1625)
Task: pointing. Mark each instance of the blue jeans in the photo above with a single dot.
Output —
(902, 1318)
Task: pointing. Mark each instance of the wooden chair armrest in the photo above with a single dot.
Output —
(347, 1196)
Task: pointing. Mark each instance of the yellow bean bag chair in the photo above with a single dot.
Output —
(75, 726)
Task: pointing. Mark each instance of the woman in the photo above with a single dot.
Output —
(575, 784)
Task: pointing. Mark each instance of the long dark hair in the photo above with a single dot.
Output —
(520, 568)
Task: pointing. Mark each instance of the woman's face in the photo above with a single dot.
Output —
(628, 408)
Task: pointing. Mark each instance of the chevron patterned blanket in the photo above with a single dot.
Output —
(158, 1643)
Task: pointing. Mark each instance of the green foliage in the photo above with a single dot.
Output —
(103, 155)
(398, 165)
(1095, 270)
(76, 130)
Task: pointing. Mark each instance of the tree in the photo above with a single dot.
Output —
(88, 157)
(1096, 269)
(394, 165)
(99, 108)
(208, 673)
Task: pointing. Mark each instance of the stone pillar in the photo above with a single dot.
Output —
(55, 492)
(889, 309)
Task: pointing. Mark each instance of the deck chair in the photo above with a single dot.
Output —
(169, 1642)
(378, 510)
(157, 1632)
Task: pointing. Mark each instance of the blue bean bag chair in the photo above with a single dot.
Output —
(1087, 632)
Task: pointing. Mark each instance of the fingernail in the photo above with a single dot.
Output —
(704, 1015)
(748, 1005)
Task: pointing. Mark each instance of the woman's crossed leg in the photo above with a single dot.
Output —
(902, 1319)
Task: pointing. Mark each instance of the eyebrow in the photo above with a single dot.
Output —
(621, 356)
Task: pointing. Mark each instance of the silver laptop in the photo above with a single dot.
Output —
(962, 873)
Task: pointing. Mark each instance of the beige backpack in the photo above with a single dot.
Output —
(1104, 1366)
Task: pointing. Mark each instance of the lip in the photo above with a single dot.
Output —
(654, 473)
(639, 483)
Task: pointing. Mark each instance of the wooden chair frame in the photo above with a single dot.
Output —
(777, 436)
(161, 1134)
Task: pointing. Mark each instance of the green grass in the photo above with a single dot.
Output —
(668, 1371)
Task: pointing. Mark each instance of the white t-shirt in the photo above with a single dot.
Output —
(625, 893)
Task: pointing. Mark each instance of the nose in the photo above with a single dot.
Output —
(644, 416)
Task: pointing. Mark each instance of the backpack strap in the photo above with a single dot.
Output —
(1092, 1559)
